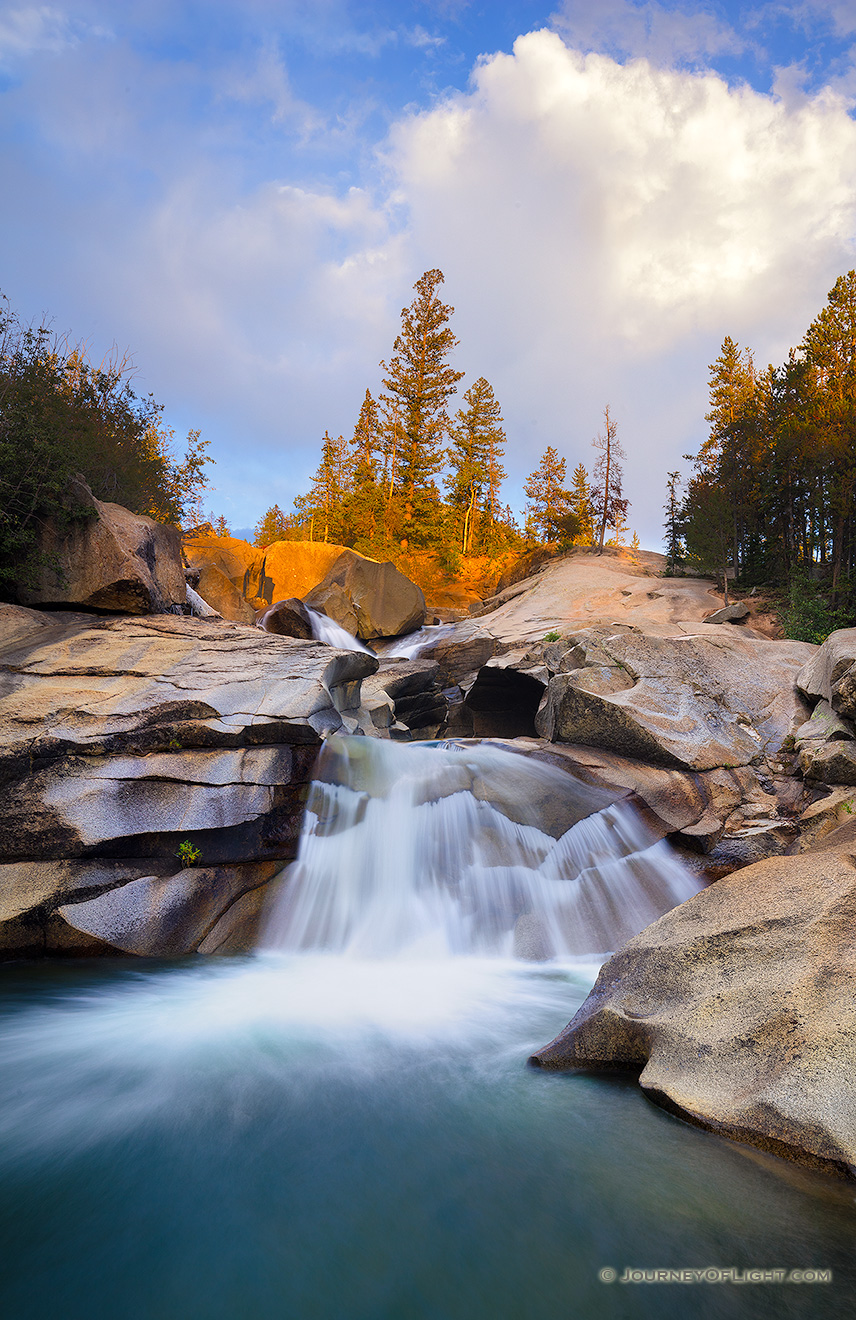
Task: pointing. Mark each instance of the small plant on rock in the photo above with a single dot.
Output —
(552, 637)
(187, 854)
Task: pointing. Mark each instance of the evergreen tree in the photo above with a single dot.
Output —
(548, 499)
(674, 540)
(273, 525)
(363, 505)
(707, 528)
(608, 504)
(417, 384)
(477, 443)
(727, 455)
(830, 351)
(324, 503)
(581, 505)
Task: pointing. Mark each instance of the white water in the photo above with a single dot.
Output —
(427, 851)
(412, 645)
(325, 630)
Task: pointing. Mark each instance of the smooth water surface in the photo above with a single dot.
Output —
(315, 1136)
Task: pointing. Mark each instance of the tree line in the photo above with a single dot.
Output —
(380, 490)
(772, 495)
(61, 415)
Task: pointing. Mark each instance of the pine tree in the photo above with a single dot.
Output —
(477, 443)
(272, 526)
(672, 524)
(830, 350)
(417, 384)
(580, 503)
(548, 499)
(608, 504)
(726, 456)
(363, 504)
(324, 503)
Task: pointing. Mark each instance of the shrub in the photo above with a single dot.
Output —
(187, 854)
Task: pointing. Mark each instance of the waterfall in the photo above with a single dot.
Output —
(413, 644)
(431, 850)
(326, 630)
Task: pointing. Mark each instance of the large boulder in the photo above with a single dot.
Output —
(737, 1011)
(830, 673)
(223, 596)
(203, 548)
(697, 701)
(289, 568)
(108, 559)
(369, 599)
(129, 746)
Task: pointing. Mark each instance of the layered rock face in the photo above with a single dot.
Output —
(736, 1008)
(109, 560)
(125, 742)
(692, 701)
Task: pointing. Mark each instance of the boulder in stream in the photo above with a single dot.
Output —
(736, 1010)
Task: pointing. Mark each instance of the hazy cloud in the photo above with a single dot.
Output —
(647, 28)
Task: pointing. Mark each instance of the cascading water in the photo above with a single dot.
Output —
(424, 851)
(327, 630)
(413, 644)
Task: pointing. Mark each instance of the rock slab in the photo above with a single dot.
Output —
(695, 701)
(737, 1010)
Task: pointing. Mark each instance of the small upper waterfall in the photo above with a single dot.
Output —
(327, 630)
(432, 850)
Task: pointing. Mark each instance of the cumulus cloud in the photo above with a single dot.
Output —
(603, 225)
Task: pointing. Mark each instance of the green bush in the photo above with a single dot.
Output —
(59, 416)
(187, 854)
(807, 614)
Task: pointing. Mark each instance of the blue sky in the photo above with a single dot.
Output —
(242, 196)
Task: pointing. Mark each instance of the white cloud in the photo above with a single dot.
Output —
(603, 226)
(267, 83)
(32, 28)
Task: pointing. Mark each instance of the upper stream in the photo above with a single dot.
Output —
(342, 1126)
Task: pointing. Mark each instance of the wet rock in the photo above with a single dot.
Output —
(168, 915)
(287, 618)
(736, 1009)
(406, 692)
(461, 652)
(109, 560)
(531, 939)
(128, 738)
